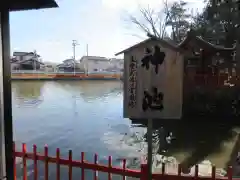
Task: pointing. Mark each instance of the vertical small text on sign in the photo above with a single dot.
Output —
(132, 82)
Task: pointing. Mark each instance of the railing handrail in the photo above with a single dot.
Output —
(61, 72)
(74, 74)
(75, 163)
(142, 174)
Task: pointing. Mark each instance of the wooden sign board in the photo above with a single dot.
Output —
(153, 82)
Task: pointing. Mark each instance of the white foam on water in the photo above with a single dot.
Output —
(124, 144)
(133, 148)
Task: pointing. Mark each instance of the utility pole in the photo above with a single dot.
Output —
(35, 59)
(87, 57)
(87, 49)
(74, 44)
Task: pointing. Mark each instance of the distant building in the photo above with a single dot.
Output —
(22, 56)
(14, 64)
(26, 61)
(93, 64)
(50, 66)
(69, 65)
(116, 65)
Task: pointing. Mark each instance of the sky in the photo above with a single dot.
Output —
(102, 24)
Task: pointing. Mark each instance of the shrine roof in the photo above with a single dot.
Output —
(152, 38)
(191, 37)
(18, 5)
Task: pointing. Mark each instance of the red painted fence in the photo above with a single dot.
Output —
(95, 167)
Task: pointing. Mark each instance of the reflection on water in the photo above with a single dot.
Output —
(28, 94)
(28, 89)
(72, 115)
(87, 90)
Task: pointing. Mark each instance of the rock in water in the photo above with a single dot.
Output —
(205, 169)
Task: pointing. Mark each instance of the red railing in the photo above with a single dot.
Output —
(95, 167)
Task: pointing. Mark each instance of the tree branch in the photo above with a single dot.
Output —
(151, 23)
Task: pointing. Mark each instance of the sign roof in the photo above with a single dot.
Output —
(18, 5)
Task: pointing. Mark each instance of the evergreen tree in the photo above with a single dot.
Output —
(220, 21)
(178, 20)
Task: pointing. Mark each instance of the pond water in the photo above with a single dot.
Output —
(86, 116)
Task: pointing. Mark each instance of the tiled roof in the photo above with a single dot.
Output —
(95, 58)
(17, 53)
(191, 37)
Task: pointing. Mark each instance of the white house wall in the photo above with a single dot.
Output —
(118, 63)
(14, 66)
(27, 57)
(97, 66)
(90, 65)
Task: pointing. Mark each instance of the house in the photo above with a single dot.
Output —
(31, 64)
(26, 61)
(14, 64)
(93, 64)
(116, 65)
(50, 66)
(69, 65)
(22, 56)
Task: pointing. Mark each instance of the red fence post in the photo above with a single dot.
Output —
(14, 162)
(82, 170)
(163, 168)
(179, 169)
(58, 163)
(230, 173)
(24, 150)
(95, 162)
(70, 165)
(213, 172)
(35, 162)
(109, 165)
(144, 172)
(124, 168)
(46, 162)
(196, 171)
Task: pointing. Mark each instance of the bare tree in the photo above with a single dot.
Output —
(152, 21)
(155, 22)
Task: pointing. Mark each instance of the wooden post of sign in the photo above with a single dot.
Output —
(149, 140)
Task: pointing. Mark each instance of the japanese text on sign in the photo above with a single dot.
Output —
(156, 58)
(152, 101)
(132, 82)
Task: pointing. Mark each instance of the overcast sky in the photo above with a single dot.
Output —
(102, 24)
